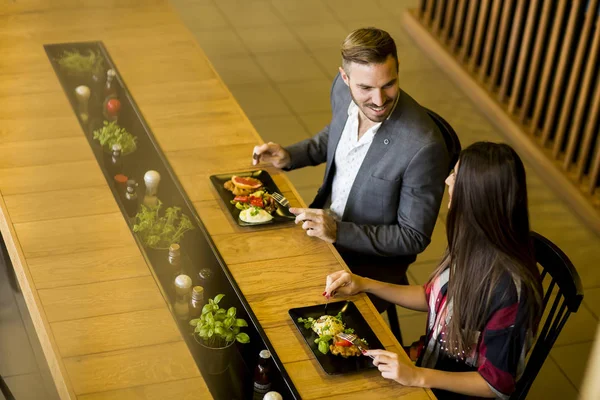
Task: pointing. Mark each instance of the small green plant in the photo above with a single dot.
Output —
(78, 64)
(112, 133)
(218, 327)
(159, 232)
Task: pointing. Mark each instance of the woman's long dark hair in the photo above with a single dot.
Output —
(488, 236)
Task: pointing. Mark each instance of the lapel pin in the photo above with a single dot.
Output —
(386, 141)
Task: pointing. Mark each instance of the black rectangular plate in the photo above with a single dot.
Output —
(281, 215)
(352, 318)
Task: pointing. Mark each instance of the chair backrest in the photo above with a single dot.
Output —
(557, 273)
(450, 137)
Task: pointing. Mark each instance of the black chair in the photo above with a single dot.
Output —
(454, 148)
(561, 275)
(5, 390)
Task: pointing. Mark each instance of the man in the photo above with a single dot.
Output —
(386, 164)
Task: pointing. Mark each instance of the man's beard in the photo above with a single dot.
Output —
(368, 105)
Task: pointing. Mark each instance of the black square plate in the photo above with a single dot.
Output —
(281, 215)
(352, 318)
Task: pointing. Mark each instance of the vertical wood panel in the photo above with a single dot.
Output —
(590, 132)
(479, 34)
(469, 28)
(491, 38)
(450, 16)
(590, 18)
(458, 25)
(536, 60)
(523, 55)
(561, 73)
(439, 17)
(512, 49)
(584, 95)
(549, 62)
(503, 35)
(429, 12)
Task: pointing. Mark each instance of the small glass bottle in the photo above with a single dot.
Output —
(183, 288)
(110, 88)
(205, 278)
(262, 375)
(175, 261)
(196, 302)
(151, 180)
(131, 198)
(115, 164)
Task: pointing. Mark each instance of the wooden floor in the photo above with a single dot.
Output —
(278, 58)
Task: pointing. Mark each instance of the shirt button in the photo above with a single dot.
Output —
(386, 141)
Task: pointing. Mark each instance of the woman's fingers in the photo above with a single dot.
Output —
(335, 281)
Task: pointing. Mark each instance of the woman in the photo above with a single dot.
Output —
(484, 299)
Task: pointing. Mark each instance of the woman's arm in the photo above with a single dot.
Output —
(467, 383)
(347, 284)
(407, 296)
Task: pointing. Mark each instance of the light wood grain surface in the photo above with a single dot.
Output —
(105, 329)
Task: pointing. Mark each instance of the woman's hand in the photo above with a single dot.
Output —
(391, 367)
(344, 283)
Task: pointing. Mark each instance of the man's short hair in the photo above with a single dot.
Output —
(368, 46)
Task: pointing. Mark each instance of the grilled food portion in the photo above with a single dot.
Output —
(240, 185)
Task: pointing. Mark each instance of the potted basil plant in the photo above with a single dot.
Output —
(216, 331)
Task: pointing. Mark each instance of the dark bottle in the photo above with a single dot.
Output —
(131, 198)
(205, 278)
(115, 163)
(196, 302)
(262, 375)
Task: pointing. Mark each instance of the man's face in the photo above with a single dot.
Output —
(374, 87)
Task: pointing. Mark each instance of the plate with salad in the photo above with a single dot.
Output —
(247, 196)
(320, 328)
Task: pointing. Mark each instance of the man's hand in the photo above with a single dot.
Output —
(271, 153)
(317, 223)
(391, 367)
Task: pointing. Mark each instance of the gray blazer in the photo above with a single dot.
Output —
(395, 199)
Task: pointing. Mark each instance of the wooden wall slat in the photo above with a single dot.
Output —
(536, 60)
(490, 39)
(458, 26)
(548, 64)
(503, 35)
(584, 95)
(512, 49)
(479, 34)
(469, 30)
(589, 133)
(575, 72)
(439, 17)
(450, 16)
(561, 72)
(523, 56)
(429, 12)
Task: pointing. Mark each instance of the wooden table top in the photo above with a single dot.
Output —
(104, 326)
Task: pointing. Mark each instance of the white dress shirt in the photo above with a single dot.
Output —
(348, 158)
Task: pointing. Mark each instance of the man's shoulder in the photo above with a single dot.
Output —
(410, 116)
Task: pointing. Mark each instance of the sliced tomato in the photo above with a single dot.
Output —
(241, 199)
(343, 343)
(257, 202)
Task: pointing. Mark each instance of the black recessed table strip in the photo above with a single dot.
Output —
(198, 249)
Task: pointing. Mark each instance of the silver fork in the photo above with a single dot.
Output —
(352, 338)
(280, 199)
